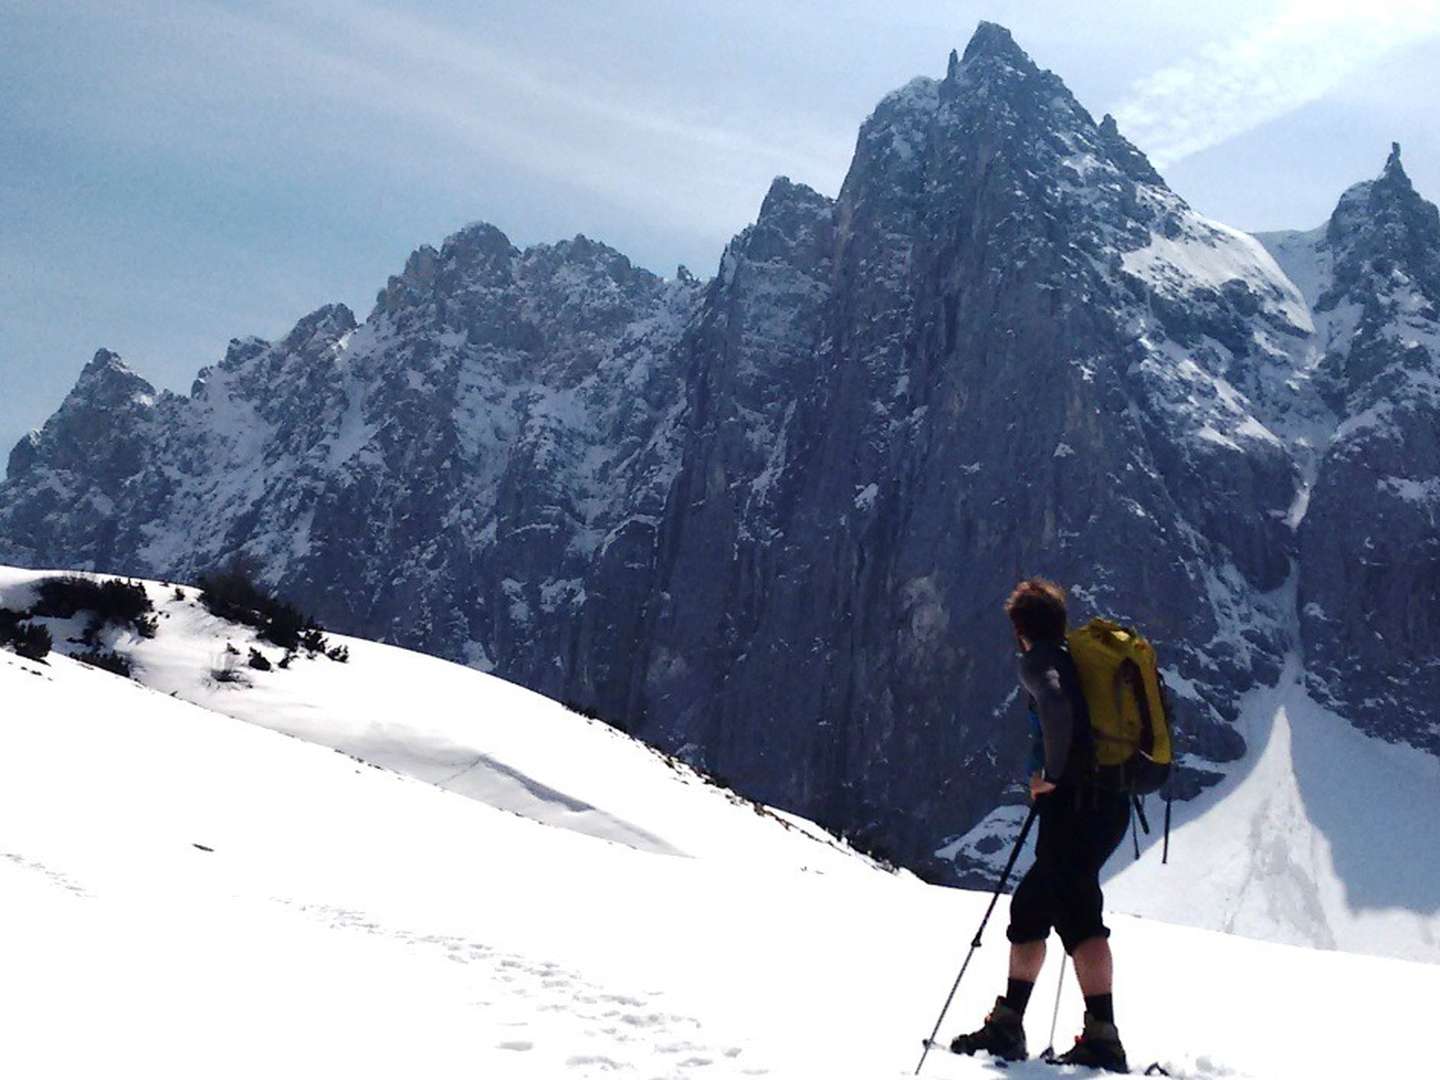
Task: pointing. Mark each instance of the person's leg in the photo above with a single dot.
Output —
(1094, 966)
(1026, 960)
(1003, 1033)
(1095, 971)
(1031, 918)
(1082, 929)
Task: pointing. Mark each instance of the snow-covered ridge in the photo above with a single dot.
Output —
(454, 727)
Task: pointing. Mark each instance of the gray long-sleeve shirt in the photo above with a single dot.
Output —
(1047, 674)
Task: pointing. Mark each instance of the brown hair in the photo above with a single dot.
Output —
(1037, 610)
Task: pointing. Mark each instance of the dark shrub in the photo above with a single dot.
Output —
(591, 713)
(111, 601)
(340, 654)
(32, 642)
(29, 640)
(312, 640)
(257, 660)
(227, 675)
(286, 626)
(107, 660)
(235, 595)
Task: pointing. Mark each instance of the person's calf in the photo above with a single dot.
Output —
(1094, 966)
(1027, 958)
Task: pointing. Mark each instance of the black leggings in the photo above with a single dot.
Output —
(1062, 889)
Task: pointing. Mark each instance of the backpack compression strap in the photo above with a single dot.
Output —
(1127, 676)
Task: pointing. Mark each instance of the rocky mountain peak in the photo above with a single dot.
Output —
(98, 428)
(1393, 186)
(106, 380)
(793, 226)
(583, 258)
(479, 254)
(1126, 155)
(991, 41)
(103, 358)
(786, 200)
(1381, 227)
(477, 246)
(324, 324)
(239, 351)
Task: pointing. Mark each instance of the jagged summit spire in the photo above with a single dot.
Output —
(1393, 168)
(107, 369)
(1393, 182)
(107, 378)
(991, 39)
(1387, 217)
(104, 358)
(785, 194)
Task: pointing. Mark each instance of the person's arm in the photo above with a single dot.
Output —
(1041, 678)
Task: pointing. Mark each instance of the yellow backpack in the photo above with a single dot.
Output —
(1129, 721)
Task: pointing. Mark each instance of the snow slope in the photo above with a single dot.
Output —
(191, 895)
(457, 728)
(1321, 836)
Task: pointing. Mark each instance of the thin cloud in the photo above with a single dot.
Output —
(1273, 65)
(480, 103)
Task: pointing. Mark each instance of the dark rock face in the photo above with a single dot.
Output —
(1369, 585)
(991, 396)
(768, 520)
(67, 486)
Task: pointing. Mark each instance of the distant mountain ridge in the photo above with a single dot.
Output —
(766, 520)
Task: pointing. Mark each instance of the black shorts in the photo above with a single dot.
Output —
(1062, 889)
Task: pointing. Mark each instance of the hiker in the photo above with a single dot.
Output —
(1081, 823)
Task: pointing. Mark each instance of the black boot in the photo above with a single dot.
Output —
(1003, 1035)
(1097, 1047)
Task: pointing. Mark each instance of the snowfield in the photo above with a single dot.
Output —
(1320, 836)
(193, 895)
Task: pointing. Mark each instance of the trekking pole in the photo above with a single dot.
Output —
(1165, 855)
(1049, 1051)
(975, 944)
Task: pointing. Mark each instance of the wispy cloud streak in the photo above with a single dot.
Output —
(474, 98)
(1273, 64)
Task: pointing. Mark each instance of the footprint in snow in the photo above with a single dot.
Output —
(53, 876)
(581, 1060)
(540, 980)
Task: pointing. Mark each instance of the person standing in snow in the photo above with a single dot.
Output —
(1080, 826)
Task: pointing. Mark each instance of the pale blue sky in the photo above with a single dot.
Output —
(174, 174)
